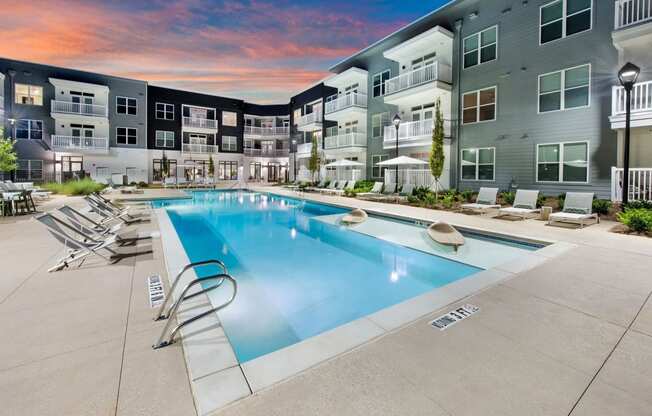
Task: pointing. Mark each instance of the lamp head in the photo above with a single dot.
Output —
(628, 75)
(396, 120)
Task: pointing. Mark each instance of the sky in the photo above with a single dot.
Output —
(260, 50)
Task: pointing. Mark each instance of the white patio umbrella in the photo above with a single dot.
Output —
(402, 161)
(343, 163)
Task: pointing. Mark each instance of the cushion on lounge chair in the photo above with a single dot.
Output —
(523, 206)
(582, 211)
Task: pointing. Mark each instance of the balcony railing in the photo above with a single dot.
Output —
(416, 77)
(249, 151)
(409, 131)
(67, 107)
(199, 123)
(267, 131)
(641, 99)
(80, 143)
(640, 184)
(346, 101)
(311, 118)
(304, 148)
(199, 148)
(632, 12)
(356, 139)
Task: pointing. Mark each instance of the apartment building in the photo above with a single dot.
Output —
(70, 123)
(266, 142)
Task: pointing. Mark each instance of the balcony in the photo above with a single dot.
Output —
(304, 149)
(413, 133)
(208, 149)
(250, 151)
(67, 107)
(267, 132)
(419, 85)
(633, 29)
(346, 106)
(632, 12)
(641, 106)
(199, 124)
(310, 122)
(77, 144)
(346, 141)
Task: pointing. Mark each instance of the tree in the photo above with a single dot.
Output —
(8, 158)
(211, 167)
(437, 156)
(313, 163)
(165, 166)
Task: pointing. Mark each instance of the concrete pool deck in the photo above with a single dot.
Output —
(569, 336)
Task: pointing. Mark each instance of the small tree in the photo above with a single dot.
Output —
(313, 163)
(165, 167)
(8, 158)
(211, 167)
(437, 156)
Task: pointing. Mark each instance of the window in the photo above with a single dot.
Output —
(164, 111)
(227, 170)
(29, 129)
(478, 164)
(479, 106)
(378, 122)
(159, 167)
(481, 47)
(164, 138)
(126, 135)
(563, 18)
(563, 162)
(379, 83)
(29, 94)
(378, 171)
(29, 170)
(229, 118)
(229, 143)
(566, 89)
(126, 105)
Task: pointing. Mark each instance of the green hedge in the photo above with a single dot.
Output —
(638, 220)
(84, 186)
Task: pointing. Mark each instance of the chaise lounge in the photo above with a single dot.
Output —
(578, 209)
(525, 205)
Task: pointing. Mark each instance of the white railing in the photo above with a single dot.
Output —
(409, 131)
(349, 100)
(631, 12)
(311, 118)
(640, 184)
(340, 174)
(416, 77)
(67, 107)
(79, 143)
(304, 148)
(416, 177)
(249, 151)
(357, 139)
(199, 148)
(641, 98)
(199, 123)
(267, 131)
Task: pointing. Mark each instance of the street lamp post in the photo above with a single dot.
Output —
(627, 75)
(294, 145)
(397, 123)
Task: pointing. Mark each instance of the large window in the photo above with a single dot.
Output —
(563, 162)
(29, 94)
(379, 83)
(479, 164)
(378, 123)
(479, 105)
(126, 135)
(29, 170)
(164, 111)
(229, 143)
(378, 171)
(227, 170)
(565, 89)
(562, 18)
(229, 118)
(159, 167)
(481, 47)
(164, 138)
(126, 105)
(29, 129)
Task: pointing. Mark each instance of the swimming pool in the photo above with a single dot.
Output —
(299, 272)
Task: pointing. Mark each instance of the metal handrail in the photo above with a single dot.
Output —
(187, 267)
(162, 342)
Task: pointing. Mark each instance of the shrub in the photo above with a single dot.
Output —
(638, 205)
(84, 186)
(508, 197)
(540, 200)
(448, 201)
(637, 220)
(363, 186)
(601, 206)
(467, 195)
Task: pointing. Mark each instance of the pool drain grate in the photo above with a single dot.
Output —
(454, 316)
(156, 292)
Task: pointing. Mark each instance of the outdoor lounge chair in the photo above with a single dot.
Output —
(350, 185)
(338, 189)
(525, 205)
(484, 203)
(108, 214)
(317, 187)
(80, 219)
(330, 187)
(389, 193)
(375, 191)
(578, 209)
(406, 191)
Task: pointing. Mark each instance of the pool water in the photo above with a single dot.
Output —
(297, 276)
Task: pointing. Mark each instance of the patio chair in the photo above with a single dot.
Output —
(406, 191)
(578, 209)
(377, 188)
(317, 187)
(29, 186)
(82, 220)
(78, 244)
(485, 202)
(108, 214)
(350, 185)
(330, 187)
(525, 205)
(389, 193)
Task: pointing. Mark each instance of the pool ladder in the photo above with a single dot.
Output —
(162, 314)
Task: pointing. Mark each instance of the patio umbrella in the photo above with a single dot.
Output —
(402, 161)
(343, 163)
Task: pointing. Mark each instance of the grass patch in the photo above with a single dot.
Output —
(84, 186)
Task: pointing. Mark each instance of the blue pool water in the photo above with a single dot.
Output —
(297, 276)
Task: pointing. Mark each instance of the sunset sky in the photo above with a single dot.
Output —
(263, 51)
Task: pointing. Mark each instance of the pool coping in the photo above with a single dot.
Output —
(211, 362)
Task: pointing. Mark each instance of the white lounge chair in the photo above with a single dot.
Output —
(378, 186)
(318, 187)
(350, 185)
(334, 186)
(578, 209)
(525, 205)
(484, 203)
(389, 193)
